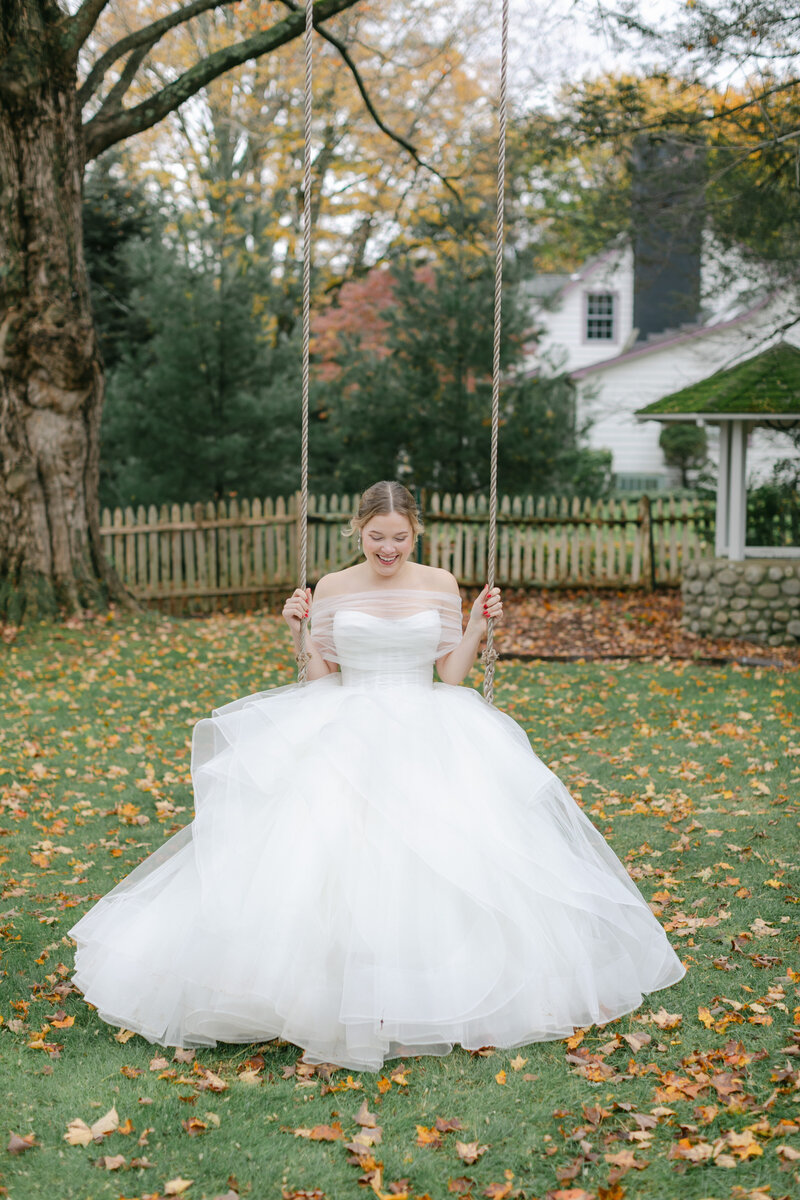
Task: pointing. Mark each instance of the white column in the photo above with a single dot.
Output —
(737, 527)
(723, 490)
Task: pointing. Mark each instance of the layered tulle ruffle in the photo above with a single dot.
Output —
(373, 870)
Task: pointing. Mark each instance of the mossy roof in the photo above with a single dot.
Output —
(767, 385)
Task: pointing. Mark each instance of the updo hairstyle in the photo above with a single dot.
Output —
(385, 497)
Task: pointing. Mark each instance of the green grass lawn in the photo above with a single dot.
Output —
(692, 773)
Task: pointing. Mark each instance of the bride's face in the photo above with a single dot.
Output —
(387, 540)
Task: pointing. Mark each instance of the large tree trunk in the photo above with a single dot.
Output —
(51, 377)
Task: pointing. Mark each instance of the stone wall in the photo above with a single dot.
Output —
(757, 600)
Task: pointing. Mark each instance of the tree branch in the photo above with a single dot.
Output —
(115, 97)
(106, 129)
(359, 82)
(148, 36)
(81, 25)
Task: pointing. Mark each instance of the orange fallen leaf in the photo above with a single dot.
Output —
(364, 1116)
(615, 1192)
(500, 1077)
(111, 1162)
(624, 1160)
(447, 1124)
(637, 1040)
(249, 1077)
(428, 1136)
(209, 1080)
(500, 1191)
(18, 1144)
(194, 1126)
(321, 1133)
(666, 1020)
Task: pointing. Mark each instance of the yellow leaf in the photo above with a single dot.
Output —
(105, 1124)
(78, 1133)
(175, 1187)
(500, 1077)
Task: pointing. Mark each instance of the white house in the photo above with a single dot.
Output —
(587, 323)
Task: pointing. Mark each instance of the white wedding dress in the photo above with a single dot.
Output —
(378, 865)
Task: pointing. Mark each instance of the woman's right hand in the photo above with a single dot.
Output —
(296, 607)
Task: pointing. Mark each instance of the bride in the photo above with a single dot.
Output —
(379, 865)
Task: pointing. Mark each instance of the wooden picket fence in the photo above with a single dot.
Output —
(239, 553)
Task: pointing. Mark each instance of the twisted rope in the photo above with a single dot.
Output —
(489, 656)
(302, 517)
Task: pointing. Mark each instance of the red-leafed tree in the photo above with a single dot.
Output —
(358, 316)
(51, 378)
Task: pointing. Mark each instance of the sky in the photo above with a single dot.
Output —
(555, 41)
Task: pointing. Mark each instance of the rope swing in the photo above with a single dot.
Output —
(302, 557)
(489, 656)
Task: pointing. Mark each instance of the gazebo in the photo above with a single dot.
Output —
(727, 596)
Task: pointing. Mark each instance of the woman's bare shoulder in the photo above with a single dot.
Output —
(436, 579)
(338, 583)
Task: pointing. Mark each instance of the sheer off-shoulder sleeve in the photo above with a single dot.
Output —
(390, 604)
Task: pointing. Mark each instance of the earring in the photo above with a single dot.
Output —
(358, 542)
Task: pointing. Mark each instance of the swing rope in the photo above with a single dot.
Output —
(489, 656)
(302, 516)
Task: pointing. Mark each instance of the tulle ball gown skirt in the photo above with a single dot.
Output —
(377, 866)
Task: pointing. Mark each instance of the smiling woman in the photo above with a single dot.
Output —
(388, 524)
(451, 889)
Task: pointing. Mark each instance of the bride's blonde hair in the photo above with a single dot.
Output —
(384, 497)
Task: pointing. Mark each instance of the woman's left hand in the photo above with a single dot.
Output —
(488, 604)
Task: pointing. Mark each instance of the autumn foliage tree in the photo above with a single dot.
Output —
(60, 108)
(722, 73)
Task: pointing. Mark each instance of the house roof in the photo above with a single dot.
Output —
(545, 286)
(657, 343)
(764, 386)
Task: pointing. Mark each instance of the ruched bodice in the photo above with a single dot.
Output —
(382, 652)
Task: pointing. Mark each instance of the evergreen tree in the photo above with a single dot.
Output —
(117, 214)
(208, 405)
(410, 393)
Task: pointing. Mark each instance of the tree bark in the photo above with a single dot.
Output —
(51, 373)
(51, 377)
